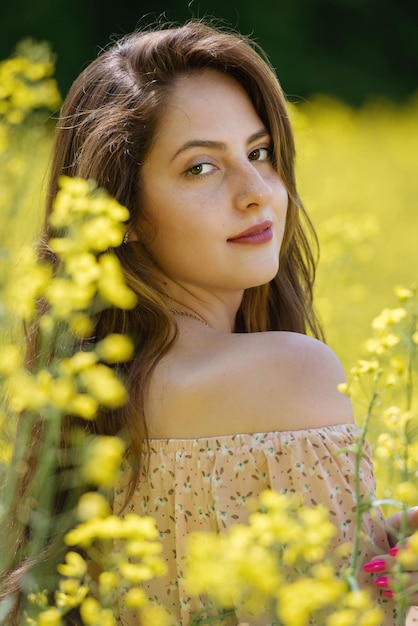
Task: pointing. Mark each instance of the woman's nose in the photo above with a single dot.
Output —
(252, 188)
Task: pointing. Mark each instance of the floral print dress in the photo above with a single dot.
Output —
(205, 484)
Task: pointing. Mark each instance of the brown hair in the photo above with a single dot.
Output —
(105, 132)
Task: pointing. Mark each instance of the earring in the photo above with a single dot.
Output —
(126, 237)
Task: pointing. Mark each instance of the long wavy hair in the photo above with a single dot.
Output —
(105, 132)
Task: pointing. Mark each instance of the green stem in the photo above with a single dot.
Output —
(44, 486)
(11, 532)
(401, 601)
(410, 368)
(360, 506)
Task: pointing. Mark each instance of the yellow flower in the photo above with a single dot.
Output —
(111, 284)
(101, 233)
(389, 340)
(50, 617)
(69, 586)
(70, 594)
(61, 392)
(84, 534)
(138, 527)
(103, 385)
(406, 492)
(33, 278)
(317, 532)
(104, 456)
(371, 617)
(359, 600)
(344, 550)
(135, 598)
(388, 317)
(343, 388)
(78, 362)
(83, 406)
(343, 617)
(10, 359)
(25, 392)
(25, 83)
(140, 548)
(74, 186)
(81, 325)
(92, 505)
(396, 419)
(108, 582)
(90, 611)
(136, 572)
(83, 268)
(40, 599)
(299, 600)
(367, 367)
(392, 380)
(413, 542)
(65, 296)
(115, 348)
(403, 293)
(358, 610)
(375, 345)
(155, 615)
(74, 566)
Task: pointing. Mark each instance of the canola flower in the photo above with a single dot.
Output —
(87, 224)
(288, 543)
(80, 381)
(363, 202)
(347, 242)
(65, 379)
(29, 95)
(386, 381)
(27, 82)
(394, 346)
(126, 551)
(27, 87)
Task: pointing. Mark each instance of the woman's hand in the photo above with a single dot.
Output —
(383, 565)
(394, 524)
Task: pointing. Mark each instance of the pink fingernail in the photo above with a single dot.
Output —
(388, 593)
(375, 566)
(394, 551)
(383, 581)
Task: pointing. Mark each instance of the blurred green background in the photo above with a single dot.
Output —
(353, 49)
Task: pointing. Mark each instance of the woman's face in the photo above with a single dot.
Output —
(214, 202)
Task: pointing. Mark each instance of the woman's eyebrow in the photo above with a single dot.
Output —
(217, 145)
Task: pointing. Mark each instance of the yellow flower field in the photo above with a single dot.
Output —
(357, 171)
(358, 179)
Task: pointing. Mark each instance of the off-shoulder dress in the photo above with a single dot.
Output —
(204, 484)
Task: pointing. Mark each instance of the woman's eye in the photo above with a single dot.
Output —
(260, 154)
(200, 169)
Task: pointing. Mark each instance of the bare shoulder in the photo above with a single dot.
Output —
(303, 375)
(248, 383)
(305, 356)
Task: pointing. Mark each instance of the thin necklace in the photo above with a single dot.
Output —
(187, 314)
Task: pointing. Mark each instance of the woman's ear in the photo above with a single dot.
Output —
(130, 236)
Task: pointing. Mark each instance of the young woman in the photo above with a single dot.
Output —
(228, 393)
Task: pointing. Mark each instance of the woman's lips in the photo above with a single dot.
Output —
(257, 234)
